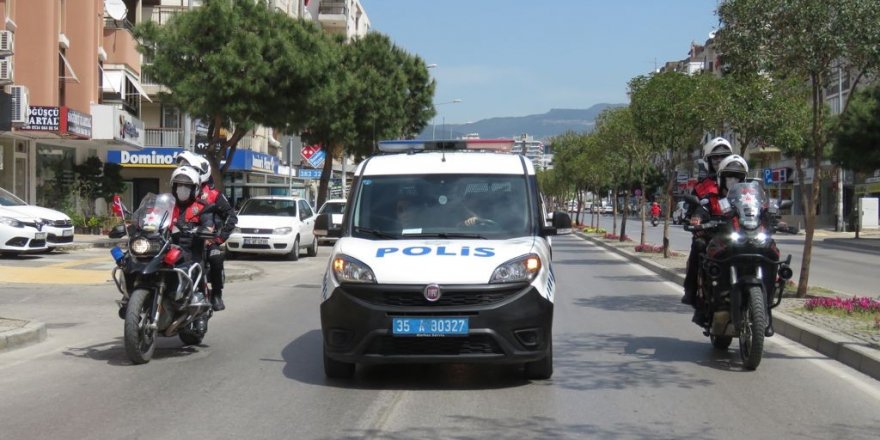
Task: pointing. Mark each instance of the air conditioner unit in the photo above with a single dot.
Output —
(19, 104)
(6, 69)
(7, 43)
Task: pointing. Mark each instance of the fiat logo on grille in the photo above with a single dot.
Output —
(432, 292)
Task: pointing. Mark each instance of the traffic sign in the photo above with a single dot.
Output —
(768, 176)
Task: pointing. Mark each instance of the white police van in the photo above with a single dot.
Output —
(443, 256)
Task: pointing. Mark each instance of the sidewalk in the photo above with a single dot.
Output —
(17, 332)
(837, 338)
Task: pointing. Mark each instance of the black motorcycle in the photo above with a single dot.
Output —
(164, 292)
(739, 270)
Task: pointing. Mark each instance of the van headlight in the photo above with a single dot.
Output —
(350, 270)
(524, 268)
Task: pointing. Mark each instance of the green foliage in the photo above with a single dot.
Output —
(857, 141)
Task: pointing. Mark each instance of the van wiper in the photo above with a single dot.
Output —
(446, 235)
(375, 232)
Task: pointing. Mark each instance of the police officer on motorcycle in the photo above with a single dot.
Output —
(224, 218)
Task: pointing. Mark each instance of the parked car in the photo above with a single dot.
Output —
(274, 225)
(679, 215)
(20, 234)
(334, 209)
(57, 225)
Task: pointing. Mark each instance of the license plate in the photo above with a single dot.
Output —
(256, 240)
(40, 236)
(67, 233)
(429, 326)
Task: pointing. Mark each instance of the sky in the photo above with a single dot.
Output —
(517, 57)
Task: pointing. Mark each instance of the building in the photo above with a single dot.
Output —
(531, 148)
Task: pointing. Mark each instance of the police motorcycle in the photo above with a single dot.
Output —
(739, 257)
(163, 293)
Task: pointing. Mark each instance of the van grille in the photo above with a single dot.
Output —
(416, 346)
(413, 296)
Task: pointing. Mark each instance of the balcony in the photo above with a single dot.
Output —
(120, 45)
(163, 137)
(333, 15)
(161, 14)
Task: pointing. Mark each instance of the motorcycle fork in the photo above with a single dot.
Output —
(157, 301)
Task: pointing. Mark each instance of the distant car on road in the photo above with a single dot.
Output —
(334, 209)
(274, 225)
(57, 225)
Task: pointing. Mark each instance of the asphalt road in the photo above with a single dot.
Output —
(628, 364)
(846, 271)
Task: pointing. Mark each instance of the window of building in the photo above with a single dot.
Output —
(170, 117)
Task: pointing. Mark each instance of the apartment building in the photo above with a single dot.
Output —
(73, 91)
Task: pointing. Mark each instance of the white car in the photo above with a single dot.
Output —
(20, 234)
(274, 225)
(57, 225)
(335, 208)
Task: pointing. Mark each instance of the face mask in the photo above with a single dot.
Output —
(730, 181)
(183, 192)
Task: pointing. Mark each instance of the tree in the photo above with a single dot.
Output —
(237, 64)
(378, 91)
(804, 40)
(670, 112)
(857, 139)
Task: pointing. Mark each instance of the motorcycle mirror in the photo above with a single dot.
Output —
(118, 231)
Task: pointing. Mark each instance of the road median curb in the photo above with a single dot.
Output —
(30, 333)
(842, 349)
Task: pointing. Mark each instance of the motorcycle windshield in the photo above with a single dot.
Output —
(748, 199)
(154, 213)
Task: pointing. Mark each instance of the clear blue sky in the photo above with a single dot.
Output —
(517, 57)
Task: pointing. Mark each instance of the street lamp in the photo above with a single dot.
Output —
(433, 126)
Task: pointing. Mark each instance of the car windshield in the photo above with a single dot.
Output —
(332, 208)
(441, 205)
(280, 208)
(9, 199)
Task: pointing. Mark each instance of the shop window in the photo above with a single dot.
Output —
(55, 176)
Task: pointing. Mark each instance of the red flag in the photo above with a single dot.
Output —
(118, 208)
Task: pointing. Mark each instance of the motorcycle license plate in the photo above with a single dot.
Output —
(453, 326)
(40, 236)
(256, 240)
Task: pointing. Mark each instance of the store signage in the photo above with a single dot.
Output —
(306, 173)
(247, 160)
(314, 155)
(127, 129)
(146, 158)
(60, 120)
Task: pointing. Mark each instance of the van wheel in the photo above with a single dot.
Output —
(313, 249)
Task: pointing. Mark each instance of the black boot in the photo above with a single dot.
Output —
(217, 301)
(768, 332)
(699, 318)
(688, 297)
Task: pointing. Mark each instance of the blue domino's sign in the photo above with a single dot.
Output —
(146, 158)
(247, 160)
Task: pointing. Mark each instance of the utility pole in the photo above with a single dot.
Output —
(841, 225)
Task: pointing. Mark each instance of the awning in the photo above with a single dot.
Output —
(137, 85)
(68, 68)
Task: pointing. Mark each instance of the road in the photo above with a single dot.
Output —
(628, 364)
(846, 271)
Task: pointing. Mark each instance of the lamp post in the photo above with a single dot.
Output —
(433, 125)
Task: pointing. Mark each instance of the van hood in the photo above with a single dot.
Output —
(441, 261)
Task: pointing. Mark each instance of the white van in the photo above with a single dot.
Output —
(443, 256)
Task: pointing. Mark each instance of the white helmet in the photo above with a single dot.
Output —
(185, 184)
(732, 167)
(716, 149)
(199, 163)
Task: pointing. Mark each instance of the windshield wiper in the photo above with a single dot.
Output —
(375, 232)
(446, 235)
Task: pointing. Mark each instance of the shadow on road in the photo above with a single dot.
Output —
(113, 352)
(303, 363)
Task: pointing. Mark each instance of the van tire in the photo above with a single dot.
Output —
(541, 369)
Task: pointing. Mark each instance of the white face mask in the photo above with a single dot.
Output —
(183, 192)
(730, 181)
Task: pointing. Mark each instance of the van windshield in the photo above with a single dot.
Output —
(491, 206)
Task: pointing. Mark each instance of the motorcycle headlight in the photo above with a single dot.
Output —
(735, 236)
(524, 268)
(11, 222)
(282, 231)
(350, 270)
(142, 247)
(760, 238)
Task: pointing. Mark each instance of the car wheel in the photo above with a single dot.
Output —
(294, 253)
(313, 249)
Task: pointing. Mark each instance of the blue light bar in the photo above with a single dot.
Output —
(401, 146)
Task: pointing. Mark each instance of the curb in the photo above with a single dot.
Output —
(30, 333)
(841, 349)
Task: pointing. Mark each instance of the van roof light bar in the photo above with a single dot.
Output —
(409, 146)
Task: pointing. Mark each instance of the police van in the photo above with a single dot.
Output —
(444, 256)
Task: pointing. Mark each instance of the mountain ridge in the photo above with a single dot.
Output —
(540, 126)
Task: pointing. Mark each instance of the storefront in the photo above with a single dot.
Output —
(145, 171)
(252, 174)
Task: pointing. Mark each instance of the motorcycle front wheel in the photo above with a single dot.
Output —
(139, 336)
(751, 337)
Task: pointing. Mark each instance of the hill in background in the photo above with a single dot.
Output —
(543, 126)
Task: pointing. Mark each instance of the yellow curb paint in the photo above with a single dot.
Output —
(78, 262)
(53, 275)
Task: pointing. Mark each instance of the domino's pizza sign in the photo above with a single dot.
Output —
(314, 155)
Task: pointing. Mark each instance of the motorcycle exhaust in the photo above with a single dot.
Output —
(785, 272)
